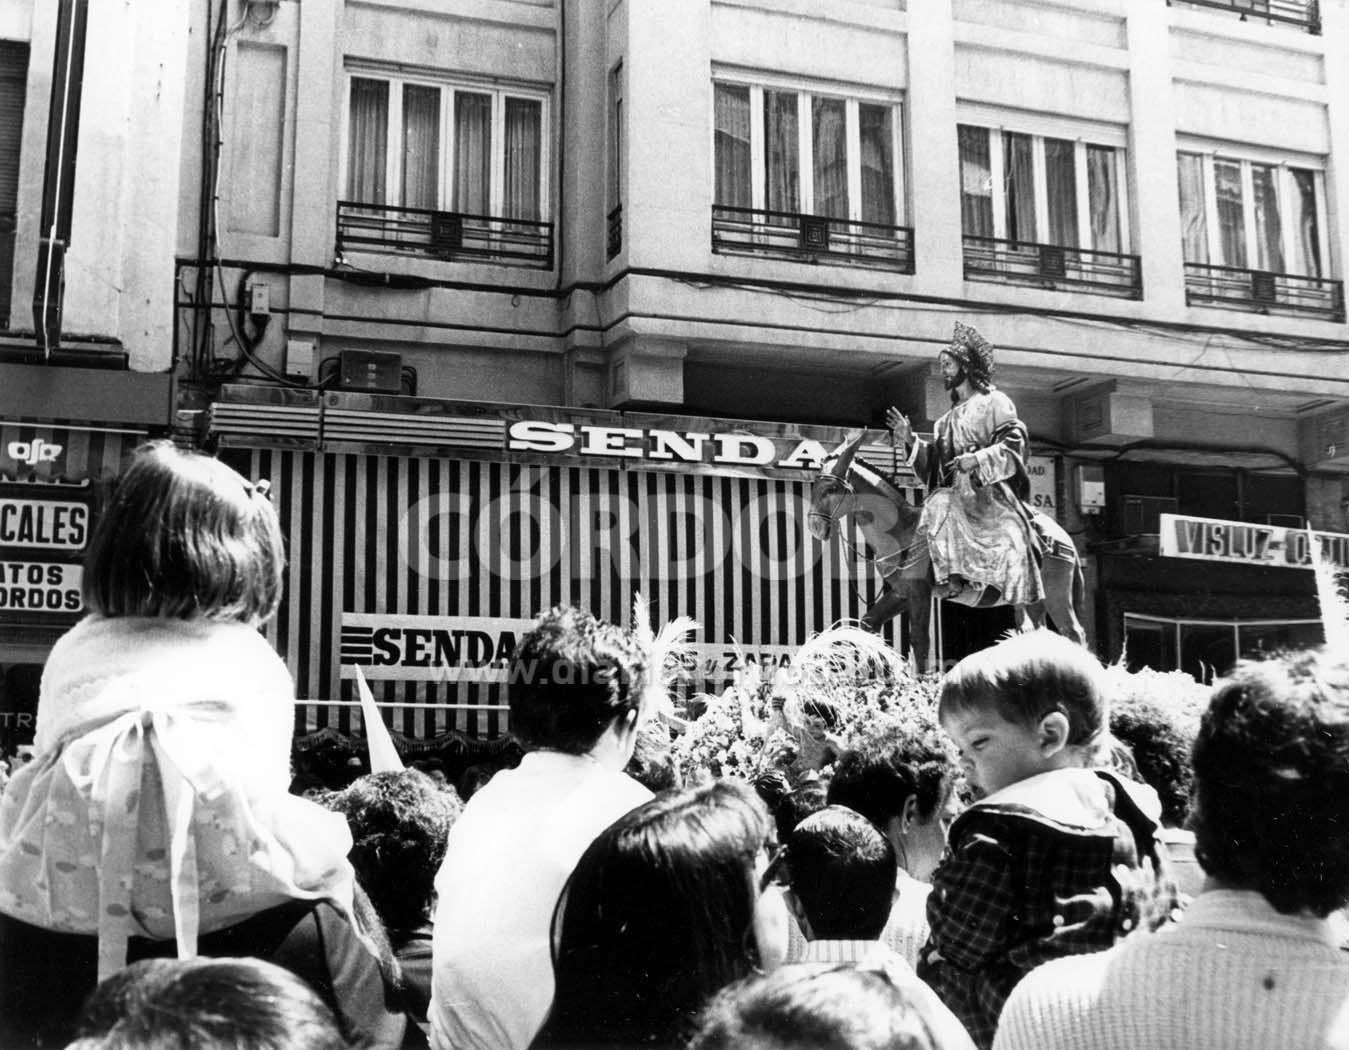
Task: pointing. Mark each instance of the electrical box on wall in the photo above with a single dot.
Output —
(1090, 487)
(370, 370)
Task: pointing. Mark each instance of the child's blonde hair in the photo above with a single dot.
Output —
(1028, 676)
(184, 537)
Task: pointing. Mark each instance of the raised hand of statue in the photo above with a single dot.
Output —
(966, 463)
(899, 423)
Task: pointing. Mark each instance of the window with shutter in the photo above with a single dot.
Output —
(13, 81)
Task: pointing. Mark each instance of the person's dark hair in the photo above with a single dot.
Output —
(1160, 750)
(656, 918)
(399, 823)
(183, 537)
(1028, 676)
(887, 764)
(823, 708)
(1271, 767)
(806, 798)
(843, 874)
(571, 676)
(206, 1004)
(805, 1008)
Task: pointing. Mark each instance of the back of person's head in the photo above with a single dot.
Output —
(1271, 767)
(657, 916)
(1160, 749)
(399, 823)
(185, 537)
(796, 805)
(1026, 677)
(206, 1004)
(572, 675)
(887, 765)
(806, 1008)
(842, 873)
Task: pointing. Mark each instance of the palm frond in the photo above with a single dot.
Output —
(1330, 595)
(844, 654)
(669, 653)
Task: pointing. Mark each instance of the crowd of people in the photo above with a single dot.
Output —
(1017, 884)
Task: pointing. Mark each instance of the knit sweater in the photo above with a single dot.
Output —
(1233, 974)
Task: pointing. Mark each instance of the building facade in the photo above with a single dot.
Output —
(436, 258)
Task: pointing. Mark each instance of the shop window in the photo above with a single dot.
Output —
(1207, 649)
(445, 169)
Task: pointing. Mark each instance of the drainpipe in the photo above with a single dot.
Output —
(58, 183)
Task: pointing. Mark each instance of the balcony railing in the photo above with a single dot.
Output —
(811, 238)
(443, 234)
(1053, 266)
(1303, 13)
(1258, 291)
(615, 233)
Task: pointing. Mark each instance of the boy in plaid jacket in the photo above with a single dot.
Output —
(1055, 858)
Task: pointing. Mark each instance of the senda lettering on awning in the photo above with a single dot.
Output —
(1247, 543)
(665, 446)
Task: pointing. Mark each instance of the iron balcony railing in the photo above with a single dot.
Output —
(615, 232)
(811, 238)
(1259, 291)
(1053, 266)
(1303, 13)
(443, 234)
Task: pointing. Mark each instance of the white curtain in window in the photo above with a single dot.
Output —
(1103, 199)
(730, 103)
(1231, 213)
(829, 145)
(1193, 221)
(421, 146)
(782, 161)
(1302, 210)
(1019, 177)
(1061, 190)
(524, 142)
(1268, 226)
(878, 175)
(976, 183)
(472, 153)
(368, 140)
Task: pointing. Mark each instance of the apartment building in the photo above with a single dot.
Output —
(527, 301)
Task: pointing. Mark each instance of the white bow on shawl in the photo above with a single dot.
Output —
(157, 804)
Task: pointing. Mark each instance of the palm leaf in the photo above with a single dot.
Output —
(1330, 595)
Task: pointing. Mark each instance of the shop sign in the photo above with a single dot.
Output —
(1043, 472)
(1245, 543)
(659, 446)
(43, 524)
(397, 647)
(34, 586)
(31, 453)
(44, 530)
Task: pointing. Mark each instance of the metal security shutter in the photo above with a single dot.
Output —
(13, 84)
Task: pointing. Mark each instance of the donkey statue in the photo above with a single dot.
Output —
(850, 488)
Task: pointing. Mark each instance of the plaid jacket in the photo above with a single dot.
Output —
(1060, 864)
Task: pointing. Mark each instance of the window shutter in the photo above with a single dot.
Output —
(13, 85)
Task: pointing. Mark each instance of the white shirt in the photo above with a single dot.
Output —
(1232, 974)
(949, 1033)
(506, 862)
